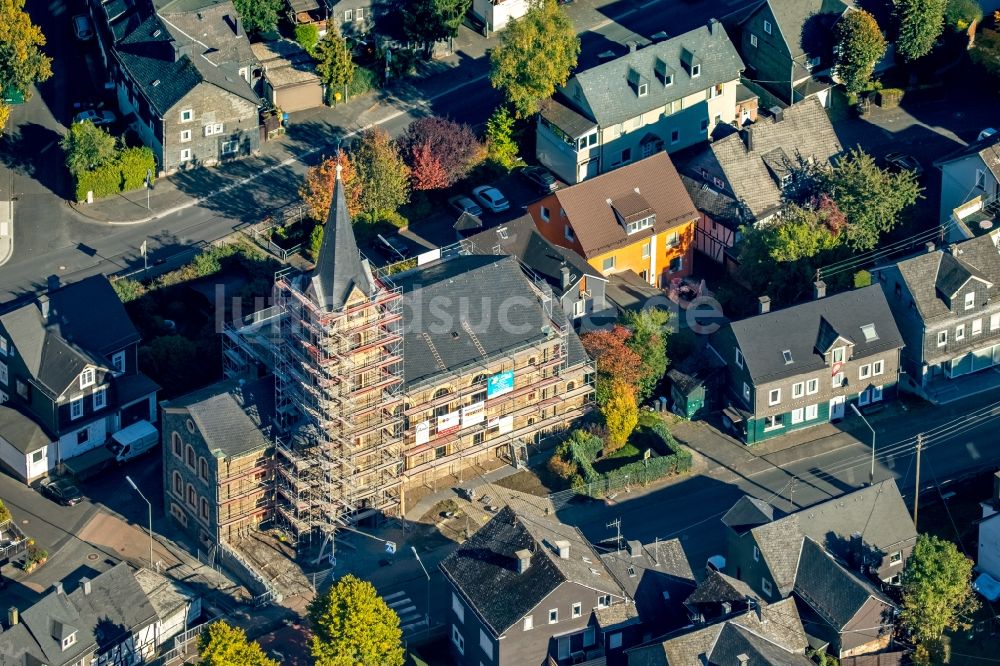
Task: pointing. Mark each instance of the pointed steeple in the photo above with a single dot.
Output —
(339, 266)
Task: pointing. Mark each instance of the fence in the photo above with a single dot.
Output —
(261, 232)
(248, 575)
(606, 488)
(184, 645)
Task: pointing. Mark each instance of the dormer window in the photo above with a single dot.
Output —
(637, 82)
(691, 62)
(69, 640)
(643, 89)
(970, 300)
(87, 378)
(695, 71)
(838, 355)
(639, 225)
(663, 72)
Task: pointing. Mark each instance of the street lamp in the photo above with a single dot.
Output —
(427, 615)
(871, 474)
(149, 504)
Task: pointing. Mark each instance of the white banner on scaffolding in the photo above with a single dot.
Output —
(506, 423)
(449, 422)
(473, 414)
(423, 432)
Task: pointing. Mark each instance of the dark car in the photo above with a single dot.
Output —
(60, 491)
(541, 177)
(904, 162)
(394, 246)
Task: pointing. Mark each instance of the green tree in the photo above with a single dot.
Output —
(259, 15)
(353, 626)
(649, 341)
(621, 414)
(307, 35)
(382, 174)
(871, 198)
(959, 14)
(429, 21)
(22, 63)
(860, 45)
(223, 645)
(500, 144)
(333, 63)
(536, 54)
(4, 512)
(615, 360)
(88, 147)
(937, 590)
(918, 24)
(171, 360)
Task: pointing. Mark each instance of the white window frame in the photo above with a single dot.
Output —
(76, 407)
(970, 300)
(673, 239)
(765, 586)
(579, 308)
(977, 326)
(767, 26)
(553, 616)
(359, 14)
(774, 397)
(643, 89)
(230, 147)
(695, 71)
(746, 392)
(896, 558)
(878, 367)
(646, 250)
(100, 397)
(837, 381)
(348, 15)
(798, 389)
(185, 155)
(942, 338)
(212, 129)
(838, 351)
(812, 386)
(994, 321)
(777, 422)
(753, 40)
(87, 378)
(187, 115)
(185, 135)
(603, 601)
(812, 412)
(959, 332)
(865, 371)
(485, 644)
(458, 607)
(118, 361)
(3, 374)
(577, 610)
(457, 639)
(739, 358)
(607, 266)
(798, 415)
(877, 393)
(3, 346)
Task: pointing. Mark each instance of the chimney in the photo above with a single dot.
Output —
(764, 304)
(85, 584)
(748, 138)
(564, 276)
(43, 303)
(777, 113)
(953, 249)
(632, 47)
(713, 27)
(930, 246)
(563, 548)
(727, 607)
(743, 659)
(634, 548)
(523, 560)
(58, 587)
(819, 289)
(12, 616)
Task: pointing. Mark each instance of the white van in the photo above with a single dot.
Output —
(133, 441)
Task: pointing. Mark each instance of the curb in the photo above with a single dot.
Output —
(10, 228)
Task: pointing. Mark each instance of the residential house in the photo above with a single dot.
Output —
(182, 72)
(69, 377)
(768, 635)
(827, 556)
(287, 76)
(218, 467)
(720, 217)
(578, 285)
(527, 589)
(657, 577)
(496, 14)
(787, 45)
(719, 596)
(800, 366)
(638, 218)
(944, 301)
(120, 617)
(754, 166)
(967, 174)
(356, 18)
(668, 95)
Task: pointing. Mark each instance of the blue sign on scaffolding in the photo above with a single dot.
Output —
(499, 384)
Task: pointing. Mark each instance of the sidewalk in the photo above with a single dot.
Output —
(6, 231)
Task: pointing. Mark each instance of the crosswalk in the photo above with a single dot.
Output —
(411, 620)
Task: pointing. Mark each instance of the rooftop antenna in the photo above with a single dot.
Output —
(617, 524)
(656, 551)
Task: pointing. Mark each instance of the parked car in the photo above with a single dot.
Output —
(715, 563)
(540, 177)
(464, 204)
(82, 27)
(902, 161)
(491, 198)
(987, 132)
(61, 491)
(96, 117)
(394, 246)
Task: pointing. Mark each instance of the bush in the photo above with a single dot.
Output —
(395, 219)
(959, 14)
(102, 182)
(889, 98)
(128, 289)
(4, 512)
(135, 163)
(126, 172)
(363, 81)
(307, 36)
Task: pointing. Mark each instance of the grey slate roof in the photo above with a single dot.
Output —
(931, 275)
(747, 513)
(829, 589)
(803, 133)
(657, 577)
(440, 297)
(521, 238)
(763, 338)
(720, 206)
(610, 99)
(987, 149)
(21, 431)
(627, 291)
(718, 587)
(234, 417)
(792, 16)
(484, 568)
(339, 266)
(115, 607)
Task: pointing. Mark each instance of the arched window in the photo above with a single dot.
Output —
(570, 386)
(203, 469)
(440, 393)
(532, 361)
(178, 484)
(175, 440)
(192, 497)
(190, 456)
(479, 379)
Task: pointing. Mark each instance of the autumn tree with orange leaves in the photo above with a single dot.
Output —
(22, 63)
(614, 359)
(317, 188)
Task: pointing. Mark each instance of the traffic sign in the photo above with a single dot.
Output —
(390, 547)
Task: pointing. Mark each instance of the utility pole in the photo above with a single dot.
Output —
(916, 490)
(791, 493)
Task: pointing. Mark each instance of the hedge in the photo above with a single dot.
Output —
(584, 448)
(127, 172)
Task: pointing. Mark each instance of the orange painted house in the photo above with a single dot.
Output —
(636, 218)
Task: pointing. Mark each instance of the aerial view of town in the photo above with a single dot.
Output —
(499, 332)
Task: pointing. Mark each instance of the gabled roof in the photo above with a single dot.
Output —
(931, 277)
(339, 266)
(21, 431)
(598, 228)
(484, 568)
(658, 577)
(521, 238)
(719, 588)
(714, 202)
(793, 16)
(233, 417)
(753, 176)
(609, 98)
(747, 513)
(803, 329)
(832, 591)
(774, 637)
(987, 149)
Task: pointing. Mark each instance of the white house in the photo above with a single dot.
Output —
(496, 13)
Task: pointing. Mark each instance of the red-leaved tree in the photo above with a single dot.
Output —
(426, 170)
(455, 145)
(615, 361)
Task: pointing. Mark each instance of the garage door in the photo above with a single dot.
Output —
(297, 98)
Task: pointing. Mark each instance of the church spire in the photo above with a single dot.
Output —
(339, 266)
